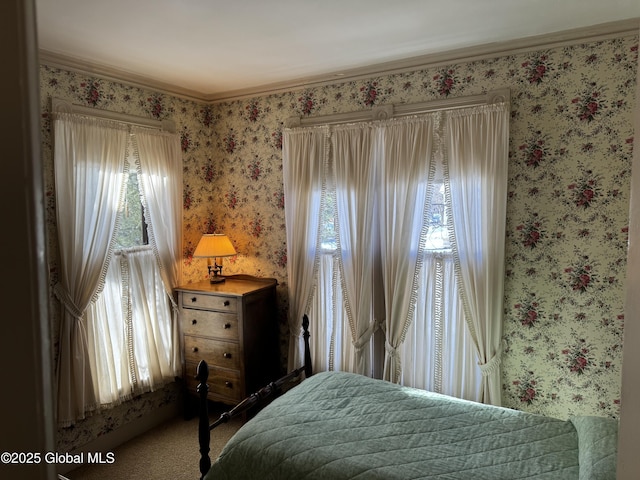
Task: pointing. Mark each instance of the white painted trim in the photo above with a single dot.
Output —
(62, 106)
(629, 426)
(114, 74)
(384, 112)
(27, 410)
(468, 54)
(565, 38)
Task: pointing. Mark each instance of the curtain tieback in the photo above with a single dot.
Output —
(63, 295)
(365, 337)
(493, 364)
(174, 305)
(391, 350)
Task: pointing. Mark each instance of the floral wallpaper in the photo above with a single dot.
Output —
(571, 137)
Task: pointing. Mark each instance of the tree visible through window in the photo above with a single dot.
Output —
(327, 223)
(133, 226)
(438, 235)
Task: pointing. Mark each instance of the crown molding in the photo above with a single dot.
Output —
(462, 55)
(599, 32)
(70, 63)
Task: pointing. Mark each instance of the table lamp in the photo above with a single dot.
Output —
(214, 245)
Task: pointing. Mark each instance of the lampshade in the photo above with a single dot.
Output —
(214, 245)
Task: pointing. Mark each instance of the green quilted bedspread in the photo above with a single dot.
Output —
(344, 426)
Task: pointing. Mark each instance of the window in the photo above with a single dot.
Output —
(399, 255)
(437, 340)
(335, 349)
(437, 334)
(119, 333)
(129, 325)
(133, 225)
(437, 238)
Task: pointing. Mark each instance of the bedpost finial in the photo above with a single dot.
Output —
(308, 369)
(202, 372)
(204, 438)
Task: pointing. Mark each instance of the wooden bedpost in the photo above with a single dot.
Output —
(308, 368)
(273, 388)
(204, 434)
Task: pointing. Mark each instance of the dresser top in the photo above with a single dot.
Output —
(233, 285)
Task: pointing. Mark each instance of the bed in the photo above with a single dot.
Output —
(337, 425)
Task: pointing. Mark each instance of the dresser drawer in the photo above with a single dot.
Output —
(210, 324)
(214, 352)
(219, 303)
(233, 327)
(222, 383)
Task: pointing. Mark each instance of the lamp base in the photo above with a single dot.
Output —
(217, 279)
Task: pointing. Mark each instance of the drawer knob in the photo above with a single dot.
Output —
(228, 384)
(226, 355)
(193, 299)
(194, 349)
(227, 303)
(194, 321)
(227, 326)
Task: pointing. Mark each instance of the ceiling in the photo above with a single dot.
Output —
(214, 48)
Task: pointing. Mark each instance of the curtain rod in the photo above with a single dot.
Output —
(62, 106)
(385, 112)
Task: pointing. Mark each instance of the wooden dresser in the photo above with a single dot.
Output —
(234, 327)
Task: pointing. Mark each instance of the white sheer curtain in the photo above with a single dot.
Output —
(332, 346)
(305, 153)
(403, 186)
(160, 172)
(377, 180)
(89, 178)
(443, 299)
(438, 352)
(152, 329)
(130, 329)
(476, 186)
(140, 351)
(108, 334)
(354, 179)
(120, 332)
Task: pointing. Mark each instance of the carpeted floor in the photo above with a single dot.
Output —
(168, 452)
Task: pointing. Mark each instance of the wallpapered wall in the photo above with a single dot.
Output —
(569, 173)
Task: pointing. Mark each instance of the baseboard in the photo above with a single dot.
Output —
(109, 441)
